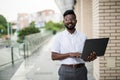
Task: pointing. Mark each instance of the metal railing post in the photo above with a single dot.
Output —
(12, 57)
(27, 50)
(24, 50)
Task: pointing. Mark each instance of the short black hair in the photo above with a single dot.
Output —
(69, 12)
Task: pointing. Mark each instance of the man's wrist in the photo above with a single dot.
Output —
(69, 54)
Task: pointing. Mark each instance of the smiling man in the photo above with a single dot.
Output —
(67, 48)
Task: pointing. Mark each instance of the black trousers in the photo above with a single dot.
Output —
(69, 73)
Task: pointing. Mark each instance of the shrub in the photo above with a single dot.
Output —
(54, 27)
(27, 31)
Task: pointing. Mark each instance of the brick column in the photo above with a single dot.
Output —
(106, 23)
(83, 9)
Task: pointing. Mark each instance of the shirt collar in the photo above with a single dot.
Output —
(70, 33)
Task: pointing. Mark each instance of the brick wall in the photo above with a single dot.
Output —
(106, 23)
(96, 34)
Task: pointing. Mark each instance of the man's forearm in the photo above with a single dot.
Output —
(57, 56)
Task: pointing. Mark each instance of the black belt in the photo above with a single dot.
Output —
(74, 65)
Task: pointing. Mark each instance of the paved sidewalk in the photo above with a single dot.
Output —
(8, 71)
(39, 66)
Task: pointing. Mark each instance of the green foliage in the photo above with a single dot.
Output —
(3, 21)
(54, 26)
(3, 25)
(32, 24)
(2, 29)
(28, 30)
(31, 29)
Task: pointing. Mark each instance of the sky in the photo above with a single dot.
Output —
(10, 8)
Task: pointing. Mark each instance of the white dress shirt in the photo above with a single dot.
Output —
(65, 42)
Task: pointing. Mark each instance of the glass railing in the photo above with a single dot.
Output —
(11, 51)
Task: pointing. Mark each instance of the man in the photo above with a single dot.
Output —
(67, 48)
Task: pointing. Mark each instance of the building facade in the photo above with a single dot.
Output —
(106, 23)
(24, 19)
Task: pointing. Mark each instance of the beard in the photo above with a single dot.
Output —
(71, 27)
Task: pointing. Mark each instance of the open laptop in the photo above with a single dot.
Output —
(98, 45)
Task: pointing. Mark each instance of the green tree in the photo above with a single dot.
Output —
(54, 27)
(3, 21)
(32, 24)
(2, 29)
(3, 25)
(49, 25)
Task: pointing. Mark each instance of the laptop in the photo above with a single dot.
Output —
(97, 45)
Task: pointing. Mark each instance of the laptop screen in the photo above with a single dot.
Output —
(97, 45)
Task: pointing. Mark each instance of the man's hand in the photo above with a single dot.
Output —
(91, 57)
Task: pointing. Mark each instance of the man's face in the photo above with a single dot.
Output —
(70, 21)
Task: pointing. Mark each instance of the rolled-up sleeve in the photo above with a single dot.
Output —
(55, 44)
